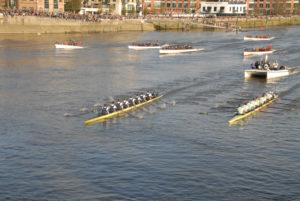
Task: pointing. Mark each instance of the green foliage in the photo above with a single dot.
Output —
(153, 11)
(297, 9)
(162, 9)
(73, 5)
(145, 11)
(123, 9)
(256, 10)
(111, 8)
(68, 6)
(100, 10)
(133, 11)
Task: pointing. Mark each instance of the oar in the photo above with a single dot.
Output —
(83, 111)
(270, 112)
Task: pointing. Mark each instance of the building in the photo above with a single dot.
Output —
(55, 6)
(223, 8)
(271, 6)
(172, 6)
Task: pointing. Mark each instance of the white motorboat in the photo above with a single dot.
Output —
(259, 38)
(141, 47)
(255, 53)
(179, 50)
(267, 74)
(63, 46)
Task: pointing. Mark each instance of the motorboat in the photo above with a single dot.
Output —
(175, 49)
(259, 38)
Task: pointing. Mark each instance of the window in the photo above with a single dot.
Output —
(230, 9)
(46, 4)
(203, 9)
(55, 4)
(215, 9)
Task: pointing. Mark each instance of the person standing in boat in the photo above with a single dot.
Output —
(119, 104)
(131, 101)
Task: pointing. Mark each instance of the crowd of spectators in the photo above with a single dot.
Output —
(66, 15)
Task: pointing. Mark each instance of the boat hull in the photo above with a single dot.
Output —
(114, 114)
(240, 117)
(61, 46)
(255, 53)
(267, 74)
(142, 47)
(258, 39)
(174, 51)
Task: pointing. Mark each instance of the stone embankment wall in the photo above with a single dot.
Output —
(33, 24)
(225, 22)
(257, 22)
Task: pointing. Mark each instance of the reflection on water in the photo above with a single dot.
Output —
(159, 151)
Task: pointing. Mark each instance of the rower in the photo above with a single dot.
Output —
(125, 103)
(112, 107)
(137, 99)
(131, 101)
(119, 104)
(105, 110)
(240, 109)
(148, 95)
(143, 98)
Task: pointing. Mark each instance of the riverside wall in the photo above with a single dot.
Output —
(35, 24)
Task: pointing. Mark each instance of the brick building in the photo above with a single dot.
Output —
(56, 6)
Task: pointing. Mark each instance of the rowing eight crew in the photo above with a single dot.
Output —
(120, 105)
(255, 103)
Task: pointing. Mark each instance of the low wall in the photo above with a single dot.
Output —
(33, 24)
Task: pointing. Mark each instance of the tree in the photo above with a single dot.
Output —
(100, 9)
(73, 5)
(153, 11)
(297, 9)
(133, 10)
(111, 8)
(145, 11)
(256, 10)
(162, 9)
(123, 9)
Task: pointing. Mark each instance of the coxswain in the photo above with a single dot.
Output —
(131, 101)
(119, 104)
(125, 103)
(105, 110)
(112, 107)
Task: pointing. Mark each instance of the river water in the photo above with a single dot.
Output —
(179, 148)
